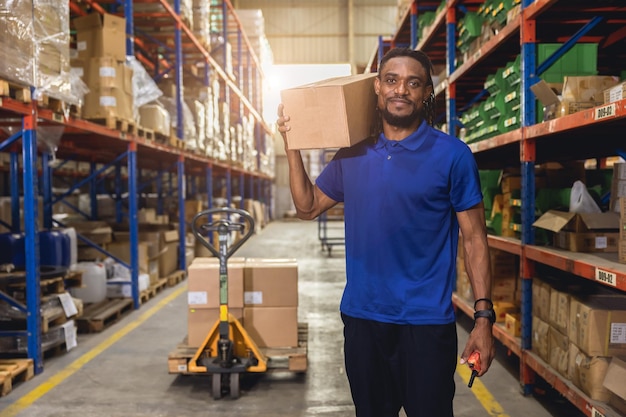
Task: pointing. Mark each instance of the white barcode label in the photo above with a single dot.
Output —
(618, 333)
(606, 277)
(605, 112)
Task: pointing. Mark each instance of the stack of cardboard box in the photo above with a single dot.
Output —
(262, 295)
(101, 47)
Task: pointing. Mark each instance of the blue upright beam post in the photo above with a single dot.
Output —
(178, 44)
(182, 227)
(159, 189)
(46, 179)
(133, 222)
(527, 159)
(15, 193)
(450, 67)
(93, 190)
(31, 241)
(130, 30)
(119, 206)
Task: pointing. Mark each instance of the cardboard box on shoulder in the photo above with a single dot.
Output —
(334, 113)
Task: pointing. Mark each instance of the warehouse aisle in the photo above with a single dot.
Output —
(122, 372)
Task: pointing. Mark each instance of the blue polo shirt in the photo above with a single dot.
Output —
(400, 200)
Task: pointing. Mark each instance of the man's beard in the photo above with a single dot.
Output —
(402, 121)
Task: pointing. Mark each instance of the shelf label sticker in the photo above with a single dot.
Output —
(605, 112)
(596, 413)
(606, 277)
(618, 333)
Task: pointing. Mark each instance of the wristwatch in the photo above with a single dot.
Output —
(489, 314)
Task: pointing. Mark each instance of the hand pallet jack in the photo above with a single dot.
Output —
(228, 350)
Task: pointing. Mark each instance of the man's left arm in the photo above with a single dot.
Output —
(477, 264)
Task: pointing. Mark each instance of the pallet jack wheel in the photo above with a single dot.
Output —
(216, 386)
(234, 385)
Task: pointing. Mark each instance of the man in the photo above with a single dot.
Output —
(406, 193)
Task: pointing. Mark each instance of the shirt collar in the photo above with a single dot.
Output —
(411, 142)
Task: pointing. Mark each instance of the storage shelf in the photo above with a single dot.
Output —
(506, 244)
(573, 394)
(599, 267)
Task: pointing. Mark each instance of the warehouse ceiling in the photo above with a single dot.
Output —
(325, 31)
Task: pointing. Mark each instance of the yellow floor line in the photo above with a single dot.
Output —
(485, 398)
(28, 399)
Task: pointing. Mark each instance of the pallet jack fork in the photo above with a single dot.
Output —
(227, 350)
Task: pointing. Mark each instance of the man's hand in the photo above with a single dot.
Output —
(480, 340)
(283, 128)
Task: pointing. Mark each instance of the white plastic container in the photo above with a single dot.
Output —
(71, 232)
(94, 288)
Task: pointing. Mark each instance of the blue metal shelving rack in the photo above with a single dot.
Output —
(127, 207)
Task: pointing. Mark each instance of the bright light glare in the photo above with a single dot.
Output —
(281, 77)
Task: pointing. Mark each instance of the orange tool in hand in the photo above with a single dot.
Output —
(474, 363)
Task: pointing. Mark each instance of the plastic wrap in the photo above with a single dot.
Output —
(16, 41)
(154, 116)
(145, 90)
(189, 127)
(201, 23)
(51, 31)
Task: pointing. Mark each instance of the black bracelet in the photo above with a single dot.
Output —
(484, 299)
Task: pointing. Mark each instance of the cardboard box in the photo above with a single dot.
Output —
(598, 325)
(582, 232)
(200, 321)
(588, 373)
(558, 351)
(204, 283)
(541, 299)
(101, 35)
(147, 264)
(513, 324)
(614, 382)
(165, 239)
(271, 282)
(579, 93)
(540, 338)
(559, 310)
(333, 113)
(272, 326)
(155, 117)
(615, 93)
(102, 102)
(503, 308)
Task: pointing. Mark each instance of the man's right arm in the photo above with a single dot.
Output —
(308, 199)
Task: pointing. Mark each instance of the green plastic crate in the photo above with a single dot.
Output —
(494, 106)
(512, 74)
(582, 59)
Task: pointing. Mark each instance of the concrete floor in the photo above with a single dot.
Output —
(122, 372)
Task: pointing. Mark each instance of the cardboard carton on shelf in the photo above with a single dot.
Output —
(615, 93)
(99, 35)
(334, 113)
(578, 93)
(582, 232)
(614, 382)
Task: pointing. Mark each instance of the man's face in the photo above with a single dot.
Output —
(401, 90)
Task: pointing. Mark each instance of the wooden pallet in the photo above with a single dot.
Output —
(14, 370)
(48, 286)
(152, 291)
(114, 123)
(175, 277)
(97, 316)
(147, 134)
(292, 359)
(15, 91)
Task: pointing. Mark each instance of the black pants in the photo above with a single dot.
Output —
(391, 366)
